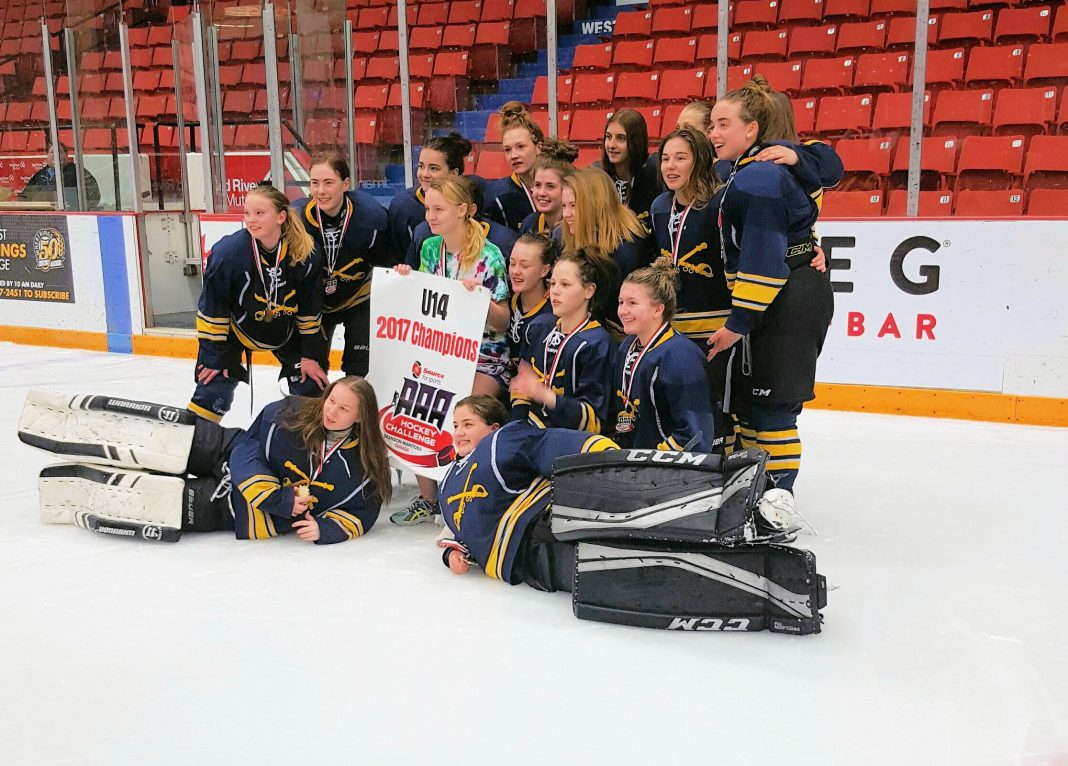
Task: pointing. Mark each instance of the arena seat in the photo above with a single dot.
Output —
(945, 68)
(1023, 25)
(1047, 64)
(937, 204)
(989, 204)
(491, 55)
(784, 76)
(901, 32)
(866, 161)
(963, 112)
(800, 12)
(990, 162)
(813, 41)
(454, 63)
(633, 54)
(974, 27)
(994, 66)
(675, 52)
(633, 24)
(938, 162)
(764, 45)
(564, 83)
(844, 115)
(459, 36)
(372, 18)
(852, 204)
(1062, 114)
(893, 112)
(425, 38)
(420, 67)
(1027, 111)
(654, 122)
(587, 125)
(497, 10)
(672, 21)
(805, 115)
(705, 17)
(861, 37)
(593, 88)
(681, 85)
(832, 76)
(1059, 33)
(877, 72)
(640, 87)
(893, 7)
(1048, 203)
(846, 10)
(755, 14)
(464, 11)
(708, 47)
(492, 164)
(433, 14)
(366, 42)
(1047, 164)
(596, 57)
(371, 97)
(948, 5)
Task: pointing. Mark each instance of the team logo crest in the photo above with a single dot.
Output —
(50, 250)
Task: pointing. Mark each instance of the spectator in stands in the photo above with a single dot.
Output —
(42, 185)
(625, 158)
(510, 200)
(553, 164)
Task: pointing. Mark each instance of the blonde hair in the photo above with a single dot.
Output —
(460, 190)
(703, 180)
(703, 110)
(662, 281)
(755, 100)
(299, 243)
(781, 123)
(602, 221)
(305, 417)
(514, 114)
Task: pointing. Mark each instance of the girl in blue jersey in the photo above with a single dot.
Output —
(625, 158)
(529, 266)
(349, 229)
(780, 309)
(564, 373)
(496, 495)
(459, 250)
(661, 392)
(550, 168)
(510, 200)
(262, 287)
(441, 156)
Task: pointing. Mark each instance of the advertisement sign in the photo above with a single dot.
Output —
(35, 259)
(425, 335)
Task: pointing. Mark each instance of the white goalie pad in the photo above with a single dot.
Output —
(91, 497)
(108, 431)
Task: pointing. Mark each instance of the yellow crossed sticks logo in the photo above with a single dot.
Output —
(472, 493)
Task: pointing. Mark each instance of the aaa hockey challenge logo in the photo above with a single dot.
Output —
(49, 249)
(414, 424)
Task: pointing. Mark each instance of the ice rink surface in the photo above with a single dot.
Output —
(945, 640)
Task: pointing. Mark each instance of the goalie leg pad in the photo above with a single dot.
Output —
(657, 496)
(207, 505)
(114, 502)
(699, 587)
(109, 431)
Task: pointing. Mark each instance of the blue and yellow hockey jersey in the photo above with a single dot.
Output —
(491, 497)
(268, 461)
(661, 395)
(581, 371)
(508, 201)
(256, 307)
(519, 322)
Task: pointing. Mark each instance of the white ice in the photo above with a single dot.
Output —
(944, 641)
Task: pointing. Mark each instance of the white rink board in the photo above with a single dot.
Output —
(944, 640)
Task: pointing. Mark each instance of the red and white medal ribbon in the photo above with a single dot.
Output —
(324, 455)
(628, 380)
(270, 293)
(559, 351)
(677, 239)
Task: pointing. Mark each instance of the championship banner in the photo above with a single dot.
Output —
(425, 335)
(35, 259)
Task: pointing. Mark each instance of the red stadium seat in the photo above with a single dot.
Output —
(989, 204)
(705, 17)
(675, 52)
(371, 97)
(1047, 64)
(593, 88)
(372, 18)
(682, 85)
(465, 11)
(250, 137)
(934, 204)
(633, 54)
(455, 63)
(672, 21)
(492, 164)
(420, 66)
(653, 121)
(882, 71)
(491, 56)
(433, 14)
(498, 10)
(425, 38)
(1047, 164)
(994, 66)
(1026, 111)
(587, 125)
(633, 24)
(963, 112)
(805, 115)
(901, 32)
(1048, 203)
(638, 87)
(784, 76)
(833, 76)
(893, 112)
(975, 28)
(755, 14)
(844, 115)
(382, 69)
(1059, 34)
(795, 12)
(852, 204)
(764, 45)
(813, 41)
(708, 48)
(867, 163)
(861, 37)
(669, 120)
(737, 76)
(1062, 115)
(238, 102)
(388, 42)
(1023, 25)
(416, 95)
(366, 42)
(945, 68)
(948, 5)
(597, 57)
(587, 156)
(459, 36)
(564, 84)
(365, 130)
(322, 133)
(893, 7)
(990, 162)
(846, 10)
(938, 162)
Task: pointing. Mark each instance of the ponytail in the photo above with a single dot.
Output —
(460, 190)
(514, 114)
(597, 269)
(662, 281)
(299, 244)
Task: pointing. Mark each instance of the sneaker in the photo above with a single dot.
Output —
(778, 515)
(418, 511)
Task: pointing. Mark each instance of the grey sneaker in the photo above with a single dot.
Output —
(418, 511)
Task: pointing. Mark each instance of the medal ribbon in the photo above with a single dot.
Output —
(677, 240)
(325, 455)
(331, 252)
(271, 293)
(628, 380)
(560, 351)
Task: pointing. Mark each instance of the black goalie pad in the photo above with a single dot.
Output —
(700, 587)
(642, 494)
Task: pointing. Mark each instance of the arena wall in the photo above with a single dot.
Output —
(947, 318)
